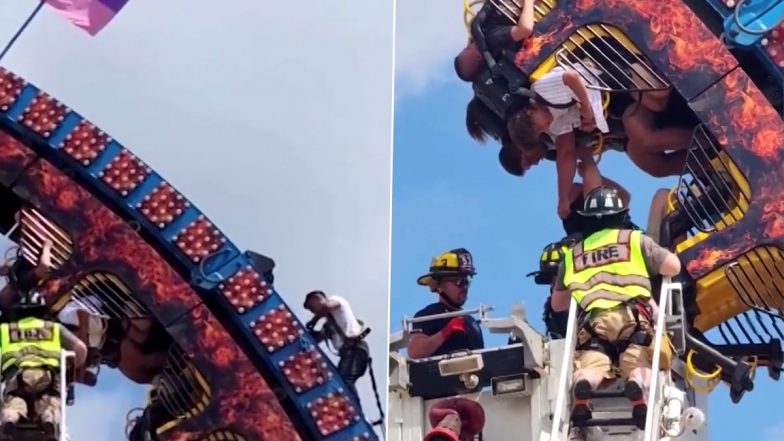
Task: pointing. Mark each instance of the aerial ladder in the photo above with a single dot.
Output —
(668, 414)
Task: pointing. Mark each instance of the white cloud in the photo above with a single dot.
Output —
(273, 119)
(429, 34)
(773, 433)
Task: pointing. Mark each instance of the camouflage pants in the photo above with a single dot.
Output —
(36, 383)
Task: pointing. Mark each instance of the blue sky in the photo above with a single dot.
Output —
(449, 192)
(273, 120)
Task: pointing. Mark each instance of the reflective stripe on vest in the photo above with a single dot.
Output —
(607, 269)
(31, 342)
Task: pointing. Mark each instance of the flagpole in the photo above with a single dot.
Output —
(22, 29)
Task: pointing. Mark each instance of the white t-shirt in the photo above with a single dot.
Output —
(552, 88)
(96, 327)
(345, 320)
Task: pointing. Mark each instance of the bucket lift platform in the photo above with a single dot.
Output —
(523, 388)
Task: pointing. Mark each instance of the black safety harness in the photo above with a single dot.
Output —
(640, 336)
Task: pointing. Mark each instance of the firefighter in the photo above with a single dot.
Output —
(608, 275)
(343, 330)
(551, 257)
(30, 349)
(450, 277)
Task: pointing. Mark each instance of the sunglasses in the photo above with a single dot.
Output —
(461, 282)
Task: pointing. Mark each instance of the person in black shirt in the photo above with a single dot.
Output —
(449, 277)
(495, 33)
(499, 31)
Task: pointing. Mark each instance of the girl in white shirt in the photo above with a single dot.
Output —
(561, 86)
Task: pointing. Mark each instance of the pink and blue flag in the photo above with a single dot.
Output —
(90, 15)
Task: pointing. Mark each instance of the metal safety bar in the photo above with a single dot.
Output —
(35, 230)
(64, 356)
(567, 371)
(709, 193)
(482, 311)
(621, 69)
(178, 386)
(107, 295)
(759, 324)
(757, 277)
(616, 62)
(511, 9)
(655, 390)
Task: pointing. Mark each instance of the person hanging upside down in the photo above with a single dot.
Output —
(608, 275)
(659, 127)
(493, 32)
(517, 162)
(525, 126)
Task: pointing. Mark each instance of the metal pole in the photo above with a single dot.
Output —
(427, 318)
(22, 29)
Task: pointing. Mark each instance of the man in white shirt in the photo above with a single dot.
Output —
(344, 332)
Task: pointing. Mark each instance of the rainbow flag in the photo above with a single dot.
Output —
(90, 15)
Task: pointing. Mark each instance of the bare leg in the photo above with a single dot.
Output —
(639, 127)
(646, 149)
(658, 165)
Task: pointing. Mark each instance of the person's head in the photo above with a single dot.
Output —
(473, 120)
(469, 62)
(450, 276)
(604, 208)
(517, 161)
(28, 304)
(316, 302)
(527, 124)
(550, 259)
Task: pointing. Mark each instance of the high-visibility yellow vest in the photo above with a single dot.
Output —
(30, 343)
(606, 269)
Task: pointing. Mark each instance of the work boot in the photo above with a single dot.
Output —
(7, 431)
(576, 434)
(49, 430)
(636, 395)
(581, 393)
